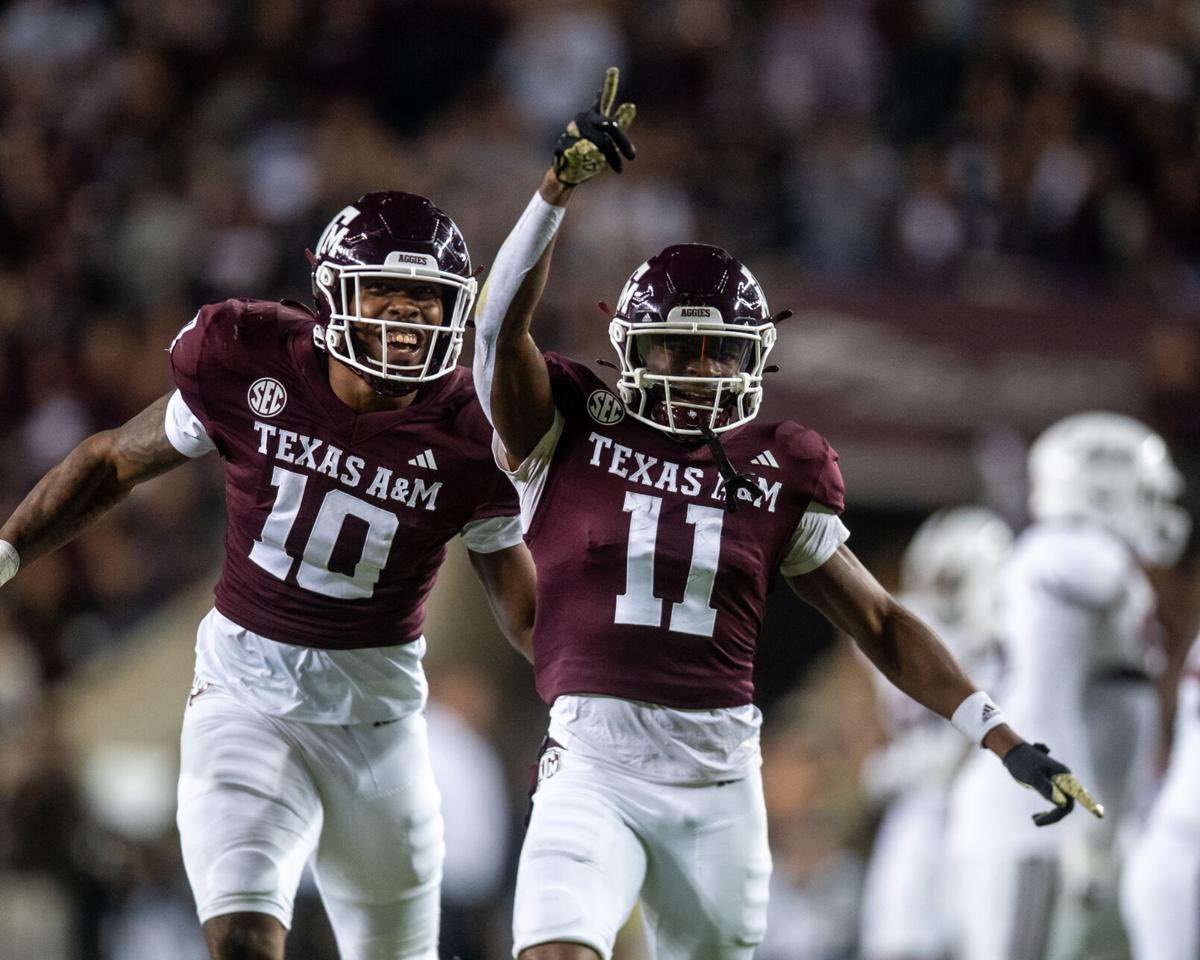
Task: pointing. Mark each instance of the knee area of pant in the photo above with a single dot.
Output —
(557, 923)
(559, 951)
(248, 872)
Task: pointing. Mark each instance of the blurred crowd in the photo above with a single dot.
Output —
(159, 154)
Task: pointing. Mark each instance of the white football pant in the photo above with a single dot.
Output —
(600, 838)
(904, 910)
(1161, 894)
(260, 796)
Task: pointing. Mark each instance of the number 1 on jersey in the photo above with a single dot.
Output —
(638, 604)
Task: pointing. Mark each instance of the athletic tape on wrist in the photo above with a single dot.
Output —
(975, 716)
(10, 561)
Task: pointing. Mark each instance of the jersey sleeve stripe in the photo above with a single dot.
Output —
(493, 534)
(184, 429)
(817, 538)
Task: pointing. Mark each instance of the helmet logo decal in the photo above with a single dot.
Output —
(336, 231)
(604, 408)
(398, 257)
(266, 396)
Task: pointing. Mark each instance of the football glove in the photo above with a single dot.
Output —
(1032, 766)
(596, 138)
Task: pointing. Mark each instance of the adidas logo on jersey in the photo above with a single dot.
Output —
(424, 460)
(766, 459)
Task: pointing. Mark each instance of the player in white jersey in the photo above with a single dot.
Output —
(948, 578)
(1076, 624)
(1161, 884)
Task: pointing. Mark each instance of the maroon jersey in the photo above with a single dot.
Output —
(647, 588)
(337, 522)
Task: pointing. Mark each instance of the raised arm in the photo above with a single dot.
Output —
(911, 656)
(510, 373)
(95, 476)
(511, 379)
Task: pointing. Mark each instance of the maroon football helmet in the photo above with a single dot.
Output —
(382, 238)
(692, 332)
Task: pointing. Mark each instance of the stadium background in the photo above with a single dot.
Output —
(984, 215)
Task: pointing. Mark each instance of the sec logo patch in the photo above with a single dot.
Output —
(604, 408)
(266, 396)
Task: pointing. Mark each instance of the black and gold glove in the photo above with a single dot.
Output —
(1032, 766)
(596, 138)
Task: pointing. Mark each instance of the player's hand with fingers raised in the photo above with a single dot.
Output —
(1032, 766)
(596, 139)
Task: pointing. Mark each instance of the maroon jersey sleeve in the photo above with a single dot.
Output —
(497, 498)
(215, 348)
(810, 456)
(572, 384)
(187, 353)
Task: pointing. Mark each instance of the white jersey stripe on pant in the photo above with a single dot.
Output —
(260, 795)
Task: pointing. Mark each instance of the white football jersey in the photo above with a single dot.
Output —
(1077, 629)
(1177, 800)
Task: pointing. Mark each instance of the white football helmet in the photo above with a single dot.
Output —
(1115, 471)
(951, 567)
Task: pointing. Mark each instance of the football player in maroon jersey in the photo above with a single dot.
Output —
(354, 450)
(654, 561)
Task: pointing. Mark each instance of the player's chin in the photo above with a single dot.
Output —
(690, 414)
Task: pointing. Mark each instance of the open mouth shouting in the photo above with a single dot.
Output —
(405, 346)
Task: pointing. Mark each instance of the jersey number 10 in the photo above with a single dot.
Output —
(313, 572)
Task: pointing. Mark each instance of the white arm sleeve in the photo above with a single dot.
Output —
(816, 539)
(492, 535)
(518, 255)
(184, 430)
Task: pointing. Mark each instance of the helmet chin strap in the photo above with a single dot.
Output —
(734, 482)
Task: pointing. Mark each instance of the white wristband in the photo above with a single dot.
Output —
(976, 716)
(10, 561)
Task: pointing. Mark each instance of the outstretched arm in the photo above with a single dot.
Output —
(900, 646)
(911, 656)
(95, 476)
(511, 379)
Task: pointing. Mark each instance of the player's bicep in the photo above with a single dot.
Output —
(140, 449)
(846, 594)
(522, 399)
